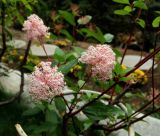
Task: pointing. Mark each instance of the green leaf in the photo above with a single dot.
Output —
(156, 22)
(117, 52)
(9, 33)
(4, 1)
(70, 56)
(52, 117)
(53, 36)
(38, 129)
(31, 112)
(118, 89)
(81, 83)
(109, 37)
(98, 35)
(71, 133)
(54, 121)
(158, 12)
(41, 106)
(128, 8)
(66, 67)
(141, 22)
(26, 4)
(124, 79)
(67, 34)
(59, 55)
(60, 104)
(118, 68)
(87, 124)
(122, 1)
(20, 18)
(68, 17)
(29, 67)
(137, 134)
(78, 50)
(100, 111)
(140, 4)
(78, 123)
(121, 12)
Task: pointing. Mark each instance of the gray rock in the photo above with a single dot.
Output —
(150, 126)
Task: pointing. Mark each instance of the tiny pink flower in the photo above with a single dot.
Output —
(102, 60)
(46, 82)
(35, 27)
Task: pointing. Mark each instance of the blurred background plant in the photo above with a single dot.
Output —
(13, 58)
(137, 77)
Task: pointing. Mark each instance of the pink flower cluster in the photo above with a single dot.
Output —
(35, 27)
(102, 60)
(46, 82)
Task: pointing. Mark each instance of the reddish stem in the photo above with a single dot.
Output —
(128, 73)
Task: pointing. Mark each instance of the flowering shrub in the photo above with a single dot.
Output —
(78, 111)
(102, 60)
(35, 28)
(46, 82)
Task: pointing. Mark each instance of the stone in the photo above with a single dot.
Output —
(149, 126)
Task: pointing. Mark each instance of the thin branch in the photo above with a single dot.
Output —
(75, 99)
(143, 61)
(3, 32)
(126, 47)
(153, 83)
(65, 101)
(116, 100)
(135, 113)
(147, 114)
(20, 130)
(125, 124)
(44, 49)
(92, 101)
(128, 73)
(17, 96)
(75, 128)
(146, 105)
(26, 55)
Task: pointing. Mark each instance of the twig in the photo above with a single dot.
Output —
(126, 47)
(143, 61)
(65, 101)
(146, 105)
(135, 113)
(128, 73)
(26, 54)
(92, 101)
(65, 119)
(75, 128)
(71, 108)
(147, 114)
(116, 100)
(75, 98)
(20, 130)
(17, 96)
(3, 32)
(153, 84)
(125, 124)
(44, 49)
